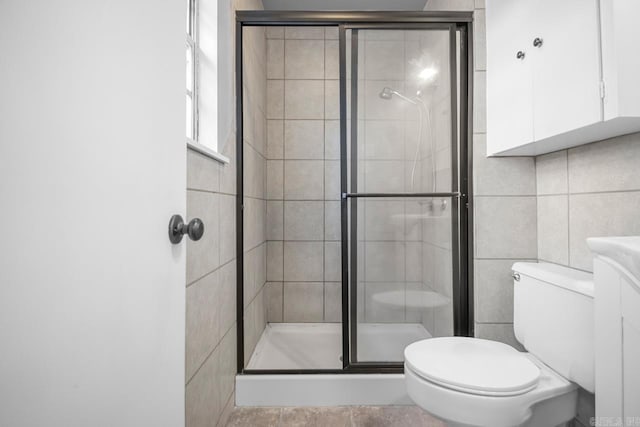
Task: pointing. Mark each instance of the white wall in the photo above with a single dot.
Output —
(92, 164)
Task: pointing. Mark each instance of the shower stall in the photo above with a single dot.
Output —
(354, 207)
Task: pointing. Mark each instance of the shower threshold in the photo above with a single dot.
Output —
(319, 345)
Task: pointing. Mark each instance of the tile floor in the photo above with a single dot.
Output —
(341, 416)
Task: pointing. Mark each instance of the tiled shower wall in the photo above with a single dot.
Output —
(211, 277)
(303, 175)
(255, 174)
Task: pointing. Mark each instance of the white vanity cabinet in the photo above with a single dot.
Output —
(560, 73)
(617, 328)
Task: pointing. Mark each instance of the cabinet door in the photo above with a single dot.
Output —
(630, 296)
(566, 66)
(509, 79)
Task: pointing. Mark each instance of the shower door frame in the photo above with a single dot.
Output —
(462, 217)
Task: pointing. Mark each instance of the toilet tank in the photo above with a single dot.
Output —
(553, 318)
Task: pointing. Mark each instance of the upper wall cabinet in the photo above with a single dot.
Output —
(560, 73)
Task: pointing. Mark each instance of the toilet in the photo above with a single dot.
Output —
(476, 382)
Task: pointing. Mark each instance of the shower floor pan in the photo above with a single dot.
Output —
(319, 345)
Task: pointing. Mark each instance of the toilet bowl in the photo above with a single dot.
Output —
(486, 383)
(476, 382)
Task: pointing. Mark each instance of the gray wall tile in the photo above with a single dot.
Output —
(552, 173)
(275, 59)
(274, 301)
(333, 302)
(303, 302)
(201, 397)
(331, 60)
(275, 179)
(202, 327)
(275, 139)
(502, 176)
(304, 99)
(610, 165)
(493, 288)
(505, 227)
(479, 102)
(304, 179)
(227, 228)
(332, 220)
(228, 171)
(597, 215)
(275, 32)
(203, 256)
(303, 261)
(553, 229)
(332, 180)
(332, 262)
(227, 368)
(307, 33)
(502, 332)
(303, 220)
(304, 59)
(275, 260)
(226, 297)
(304, 139)
(275, 220)
(275, 99)
(202, 172)
(332, 99)
(332, 139)
(479, 39)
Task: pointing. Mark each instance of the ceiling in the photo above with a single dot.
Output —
(344, 4)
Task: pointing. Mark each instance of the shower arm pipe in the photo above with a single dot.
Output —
(364, 195)
(406, 98)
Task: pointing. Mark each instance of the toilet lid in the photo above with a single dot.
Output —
(472, 365)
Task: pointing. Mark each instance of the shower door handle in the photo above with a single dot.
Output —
(177, 228)
(364, 195)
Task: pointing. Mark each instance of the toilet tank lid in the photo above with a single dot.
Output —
(568, 278)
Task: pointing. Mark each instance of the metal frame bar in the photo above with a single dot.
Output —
(404, 195)
(344, 208)
(462, 23)
(239, 202)
(318, 18)
(458, 305)
(466, 160)
(352, 284)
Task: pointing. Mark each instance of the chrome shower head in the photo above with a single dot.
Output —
(386, 93)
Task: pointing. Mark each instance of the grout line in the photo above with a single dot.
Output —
(222, 337)
(211, 272)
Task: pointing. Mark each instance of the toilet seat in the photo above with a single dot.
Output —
(434, 375)
(473, 365)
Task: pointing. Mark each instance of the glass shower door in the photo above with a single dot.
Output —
(403, 195)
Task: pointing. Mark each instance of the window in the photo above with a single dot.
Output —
(202, 78)
(192, 71)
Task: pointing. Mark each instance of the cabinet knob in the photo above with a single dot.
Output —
(537, 42)
(520, 55)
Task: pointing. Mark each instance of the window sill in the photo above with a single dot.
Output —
(208, 152)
